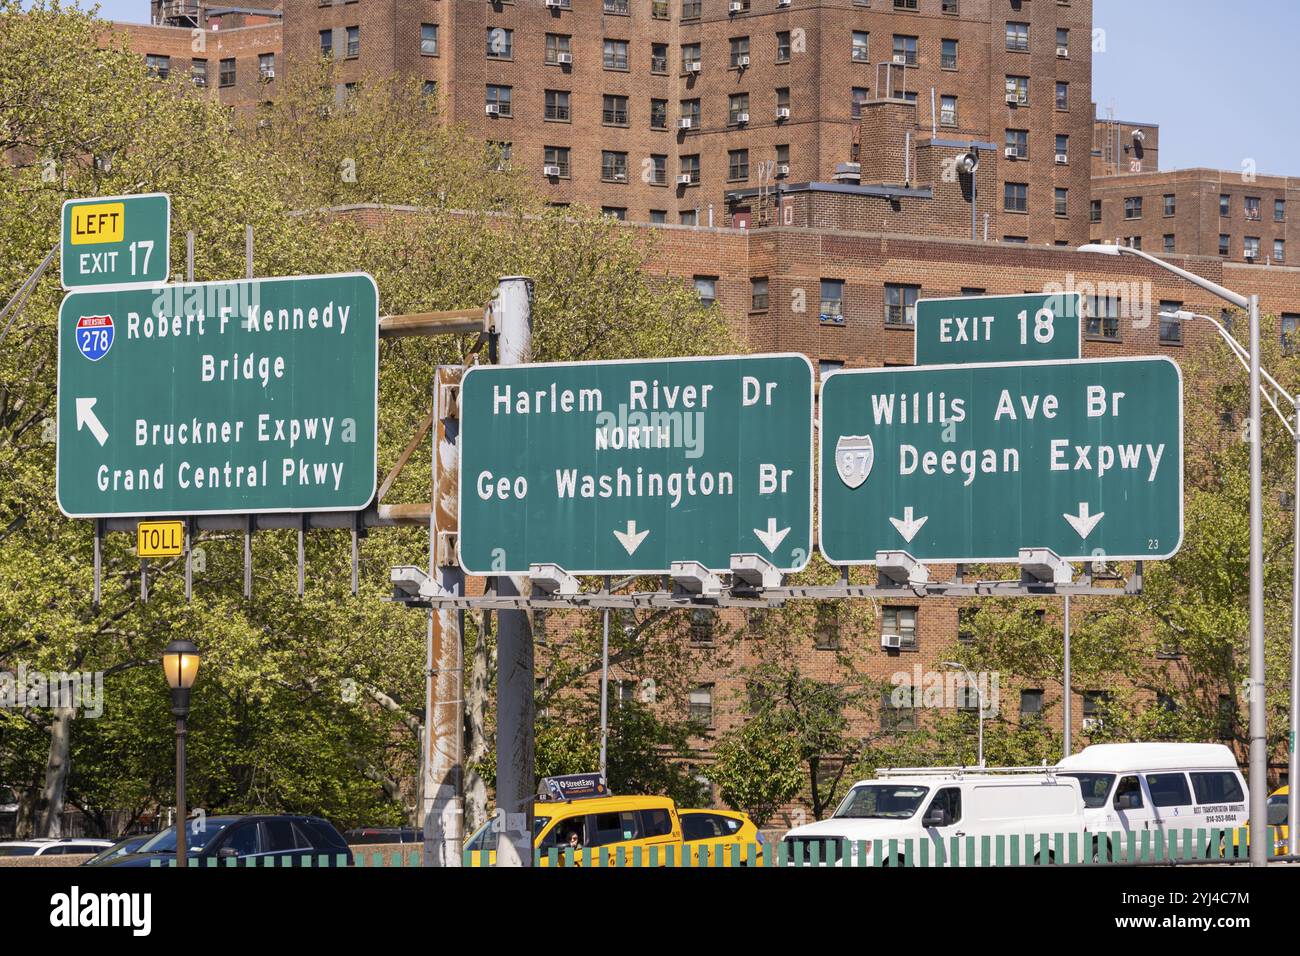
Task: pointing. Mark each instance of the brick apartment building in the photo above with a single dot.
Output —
(671, 111)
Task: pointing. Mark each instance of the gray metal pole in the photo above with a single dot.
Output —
(604, 685)
(1293, 790)
(1258, 720)
(974, 209)
(1068, 731)
(512, 314)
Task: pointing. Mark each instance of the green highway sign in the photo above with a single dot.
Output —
(258, 395)
(116, 241)
(999, 328)
(626, 467)
(971, 463)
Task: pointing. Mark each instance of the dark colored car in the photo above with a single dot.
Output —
(121, 848)
(360, 836)
(253, 840)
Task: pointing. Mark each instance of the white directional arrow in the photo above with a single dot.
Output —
(907, 526)
(631, 538)
(1084, 522)
(86, 416)
(772, 538)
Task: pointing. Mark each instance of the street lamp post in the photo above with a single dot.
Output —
(979, 695)
(180, 662)
(1258, 729)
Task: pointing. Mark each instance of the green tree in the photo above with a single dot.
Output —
(758, 769)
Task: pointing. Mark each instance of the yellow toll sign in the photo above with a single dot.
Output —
(160, 539)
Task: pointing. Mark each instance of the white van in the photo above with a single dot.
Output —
(1155, 786)
(935, 806)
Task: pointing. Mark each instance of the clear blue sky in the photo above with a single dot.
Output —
(1173, 63)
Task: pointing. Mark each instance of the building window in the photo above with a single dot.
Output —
(658, 216)
(558, 45)
(1018, 36)
(1225, 204)
(157, 65)
(827, 366)
(739, 52)
(702, 621)
(832, 302)
(619, 7)
(558, 158)
(1062, 96)
(1016, 197)
(1133, 242)
(615, 55)
(1031, 706)
(1094, 210)
(266, 66)
(826, 626)
(1018, 142)
(1062, 41)
(690, 57)
(904, 49)
(966, 624)
(1169, 243)
(691, 167)
(500, 43)
(199, 72)
(228, 72)
(658, 114)
(659, 58)
(1062, 202)
(1290, 326)
(900, 304)
(782, 160)
(691, 9)
(557, 106)
(1251, 247)
(860, 95)
(1103, 318)
(354, 42)
(948, 110)
(499, 96)
(1252, 208)
(658, 170)
(758, 295)
(948, 54)
(1062, 148)
(706, 287)
(861, 46)
(737, 165)
(1279, 210)
(897, 709)
(327, 43)
(430, 88)
(1279, 250)
(613, 166)
(500, 151)
(737, 109)
(948, 6)
(783, 101)
(614, 110)
(1018, 90)
(1171, 330)
(1170, 204)
(1133, 207)
(701, 705)
(659, 9)
(428, 39)
(1225, 244)
(904, 4)
(783, 46)
(1095, 703)
(689, 217)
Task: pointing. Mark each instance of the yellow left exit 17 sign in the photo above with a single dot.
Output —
(160, 539)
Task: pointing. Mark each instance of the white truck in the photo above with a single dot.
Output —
(932, 805)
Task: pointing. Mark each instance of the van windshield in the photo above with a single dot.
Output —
(882, 801)
(1095, 787)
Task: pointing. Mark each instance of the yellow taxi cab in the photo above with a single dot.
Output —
(1277, 821)
(578, 811)
(710, 836)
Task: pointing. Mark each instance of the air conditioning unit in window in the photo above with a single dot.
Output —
(564, 58)
(684, 179)
(1062, 159)
(782, 169)
(1011, 153)
(554, 4)
(551, 171)
(268, 74)
(693, 66)
(1013, 99)
(782, 3)
(1062, 51)
(891, 642)
(685, 122)
(1091, 724)
(492, 109)
(735, 6)
(783, 112)
(619, 177)
(900, 59)
(742, 61)
(742, 119)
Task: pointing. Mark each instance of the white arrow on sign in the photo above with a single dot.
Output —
(772, 538)
(1084, 522)
(631, 538)
(907, 526)
(86, 416)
